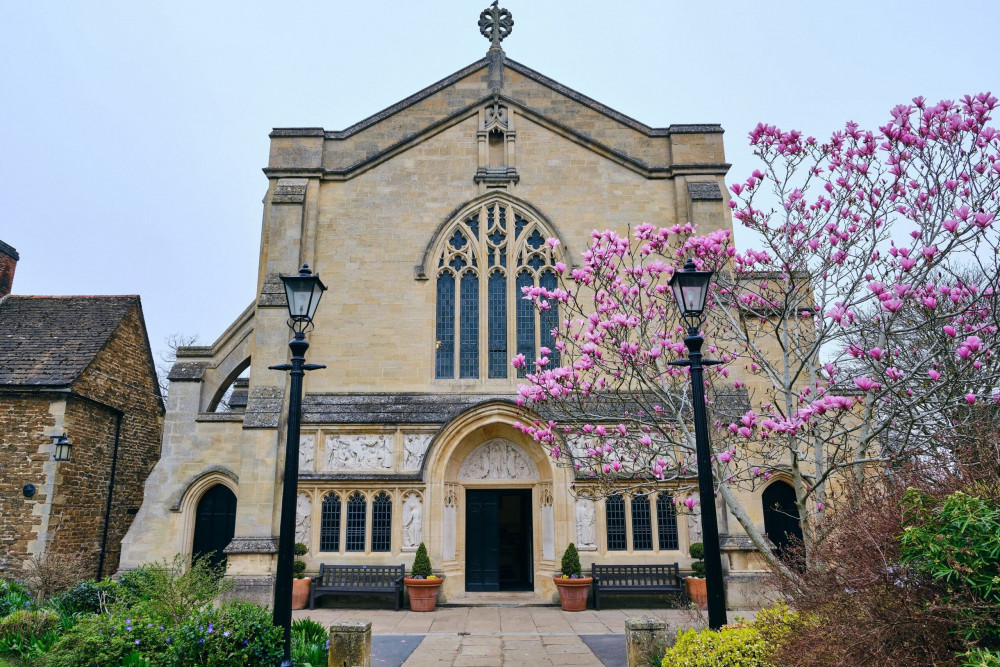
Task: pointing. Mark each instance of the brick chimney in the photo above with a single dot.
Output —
(8, 262)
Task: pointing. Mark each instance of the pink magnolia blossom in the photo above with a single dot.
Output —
(865, 383)
(971, 398)
(690, 502)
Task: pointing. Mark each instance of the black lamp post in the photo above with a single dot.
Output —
(63, 445)
(303, 292)
(690, 288)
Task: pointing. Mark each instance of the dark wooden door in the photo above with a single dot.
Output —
(781, 517)
(482, 537)
(498, 540)
(214, 524)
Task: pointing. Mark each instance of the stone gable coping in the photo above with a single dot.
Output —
(9, 251)
(187, 371)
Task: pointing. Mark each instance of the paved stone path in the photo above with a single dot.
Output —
(493, 636)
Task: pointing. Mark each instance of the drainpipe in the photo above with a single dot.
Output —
(111, 494)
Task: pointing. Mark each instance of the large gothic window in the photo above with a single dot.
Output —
(490, 254)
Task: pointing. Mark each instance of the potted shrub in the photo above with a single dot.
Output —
(573, 586)
(300, 585)
(422, 584)
(695, 584)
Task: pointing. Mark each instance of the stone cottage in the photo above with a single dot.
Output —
(425, 219)
(79, 367)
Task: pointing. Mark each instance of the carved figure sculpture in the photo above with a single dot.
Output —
(586, 516)
(303, 518)
(307, 448)
(412, 521)
(359, 452)
(498, 459)
(414, 447)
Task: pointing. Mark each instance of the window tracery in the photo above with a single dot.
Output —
(489, 255)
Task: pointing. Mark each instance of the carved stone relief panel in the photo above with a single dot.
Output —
(413, 512)
(694, 522)
(414, 447)
(586, 520)
(498, 459)
(450, 520)
(548, 521)
(307, 453)
(582, 447)
(303, 518)
(359, 452)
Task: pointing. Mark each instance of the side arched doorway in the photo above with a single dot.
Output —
(214, 524)
(781, 517)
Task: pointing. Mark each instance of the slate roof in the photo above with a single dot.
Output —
(48, 341)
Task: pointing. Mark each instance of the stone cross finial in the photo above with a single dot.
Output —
(495, 23)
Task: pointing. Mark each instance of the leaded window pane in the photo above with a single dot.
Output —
(666, 520)
(525, 324)
(329, 532)
(356, 507)
(642, 527)
(381, 523)
(549, 319)
(614, 508)
(497, 287)
(469, 327)
(445, 354)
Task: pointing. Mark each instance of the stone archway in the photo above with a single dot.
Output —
(481, 454)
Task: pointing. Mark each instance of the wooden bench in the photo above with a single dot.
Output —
(358, 580)
(635, 579)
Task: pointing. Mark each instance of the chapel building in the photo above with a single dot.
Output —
(426, 220)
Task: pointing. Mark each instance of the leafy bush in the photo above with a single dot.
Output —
(299, 566)
(733, 646)
(13, 596)
(51, 574)
(697, 551)
(421, 563)
(300, 549)
(981, 658)
(169, 592)
(28, 623)
(570, 561)
(239, 633)
(310, 643)
(955, 540)
(88, 597)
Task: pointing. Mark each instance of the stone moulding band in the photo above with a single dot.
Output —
(252, 545)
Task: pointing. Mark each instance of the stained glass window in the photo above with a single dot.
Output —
(329, 532)
(445, 354)
(506, 242)
(642, 527)
(666, 520)
(615, 516)
(468, 362)
(550, 318)
(497, 287)
(381, 523)
(356, 507)
(525, 324)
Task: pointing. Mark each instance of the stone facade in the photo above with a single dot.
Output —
(104, 396)
(382, 210)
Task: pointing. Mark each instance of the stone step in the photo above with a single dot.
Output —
(498, 599)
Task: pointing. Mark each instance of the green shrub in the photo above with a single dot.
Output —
(732, 646)
(421, 563)
(570, 561)
(981, 658)
(169, 591)
(299, 566)
(131, 585)
(88, 597)
(697, 551)
(28, 623)
(99, 640)
(310, 643)
(238, 633)
(300, 549)
(955, 540)
(13, 596)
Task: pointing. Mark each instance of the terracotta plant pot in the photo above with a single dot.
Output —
(573, 592)
(300, 593)
(697, 592)
(423, 593)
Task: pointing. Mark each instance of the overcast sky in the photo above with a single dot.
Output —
(132, 134)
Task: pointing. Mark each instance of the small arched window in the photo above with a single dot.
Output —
(614, 510)
(490, 254)
(642, 526)
(356, 509)
(666, 522)
(329, 532)
(381, 522)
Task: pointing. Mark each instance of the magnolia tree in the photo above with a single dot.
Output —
(854, 332)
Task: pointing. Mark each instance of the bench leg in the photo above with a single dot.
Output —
(597, 598)
(312, 600)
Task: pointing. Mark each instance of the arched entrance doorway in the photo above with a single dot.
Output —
(781, 517)
(214, 524)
